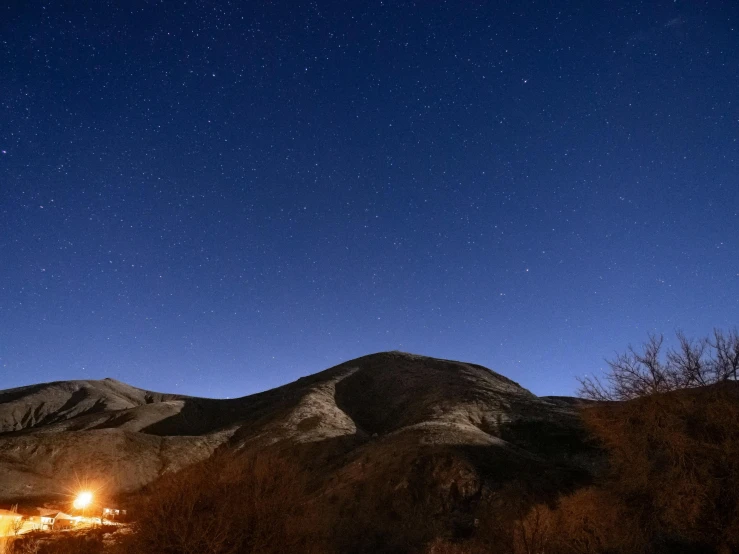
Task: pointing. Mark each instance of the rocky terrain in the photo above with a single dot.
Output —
(381, 417)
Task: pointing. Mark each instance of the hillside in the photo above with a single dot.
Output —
(363, 420)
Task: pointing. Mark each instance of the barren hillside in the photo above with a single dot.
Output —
(377, 415)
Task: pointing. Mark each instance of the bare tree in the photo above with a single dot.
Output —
(688, 364)
(692, 363)
(725, 354)
(633, 373)
(17, 525)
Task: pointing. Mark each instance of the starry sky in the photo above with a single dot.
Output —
(216, 198)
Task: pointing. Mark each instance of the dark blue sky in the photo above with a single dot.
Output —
(216, 198)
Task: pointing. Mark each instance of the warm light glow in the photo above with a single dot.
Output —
(83, 500)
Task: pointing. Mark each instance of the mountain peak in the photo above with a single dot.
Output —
(397, 398)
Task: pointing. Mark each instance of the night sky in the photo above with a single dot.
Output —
(216, 198)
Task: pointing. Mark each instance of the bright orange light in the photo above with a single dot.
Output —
(83, 500)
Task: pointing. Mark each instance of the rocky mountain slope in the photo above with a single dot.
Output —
(381, 414)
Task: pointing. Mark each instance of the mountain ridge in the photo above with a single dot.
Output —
(124, 436)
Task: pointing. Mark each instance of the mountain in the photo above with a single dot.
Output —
(373, 418)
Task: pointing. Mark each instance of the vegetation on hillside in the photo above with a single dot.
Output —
(663, 425)
(672, 446)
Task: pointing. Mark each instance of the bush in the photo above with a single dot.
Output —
(589, 521)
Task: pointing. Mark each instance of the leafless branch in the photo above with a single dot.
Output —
(646, 371)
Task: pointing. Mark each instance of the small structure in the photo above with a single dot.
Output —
(114, 514)
(57, 520)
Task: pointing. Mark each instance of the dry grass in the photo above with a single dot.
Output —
(674, 462)
(229, 504)
(83, 542)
